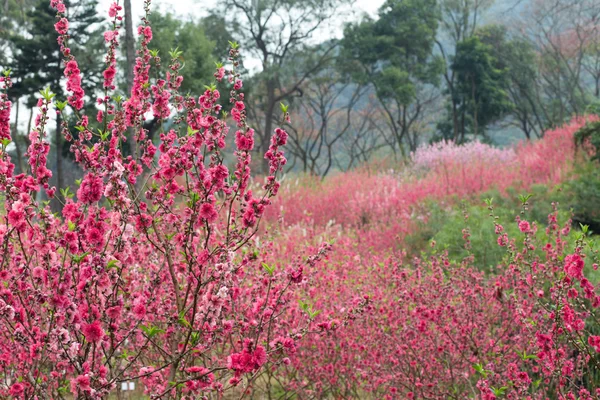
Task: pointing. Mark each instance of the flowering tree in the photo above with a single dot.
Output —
(150, 271)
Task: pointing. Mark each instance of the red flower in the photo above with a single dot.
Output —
(208, 212)
(93, 332)
(574, 266)
(62, 26)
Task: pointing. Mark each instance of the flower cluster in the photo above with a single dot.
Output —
(152, 271)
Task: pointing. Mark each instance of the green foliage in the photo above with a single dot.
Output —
(37, 61)
(590, 135)
(517, 58)
(394, 53)
(585, 191)
(488, 254)
(445, 225)
(480, 84)
(188, 42)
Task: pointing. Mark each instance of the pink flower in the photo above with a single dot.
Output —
(109, 36)
(62, 26)
(244, 142)
(248, 360)
(142, 222)
(524, 226)
(58, 5)
(574, 266)
(4, 117)
(17, 389)
(208, 212)
(594, 341)
(113, 10)
(93, 332)
(220, 74)
(91, 189)
(204, 378)
(139, 311)
(281, 137)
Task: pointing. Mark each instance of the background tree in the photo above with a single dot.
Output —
(459, 20)
(516, 57)
(277, 32)
(323, 117)
(480, 85)
(197, 50)
(37, 62)
(563, 33)
(394, 56)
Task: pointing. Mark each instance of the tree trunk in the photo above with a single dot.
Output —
(129, 44)
(57, 206)
(16, 139)
(266, 136)
(475, 105)
(130, 57)
(454, 118)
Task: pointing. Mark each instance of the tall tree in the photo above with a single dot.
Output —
(37, 60)
(565, 34)
(516, 56)
(479, 87)
(394, 55)
(277, 31)
(459, 20)
(189, 38)
(129, 44)
(324, 115)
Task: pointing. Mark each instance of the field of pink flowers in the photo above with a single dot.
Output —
(167, 268)
(435, 327)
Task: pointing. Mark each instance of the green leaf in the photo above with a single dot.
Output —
(525, 198)
(66, 192)
(284, 108)
(79, 258)
(195, 338)
(212, 87)
(151, 331)
(183, 321)
(71, 226)
(191, 132)
(175, 53)
(112, 264)
(47, 94)
(269, 269)
(61, 104)
(480, 370)
(5, 142)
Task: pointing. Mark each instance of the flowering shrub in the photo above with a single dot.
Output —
(150, 273)
(447, 153)
(156, 271)
(439, 328)
(440, 172)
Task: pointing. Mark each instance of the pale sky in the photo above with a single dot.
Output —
(201, 7)
(198, 8)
